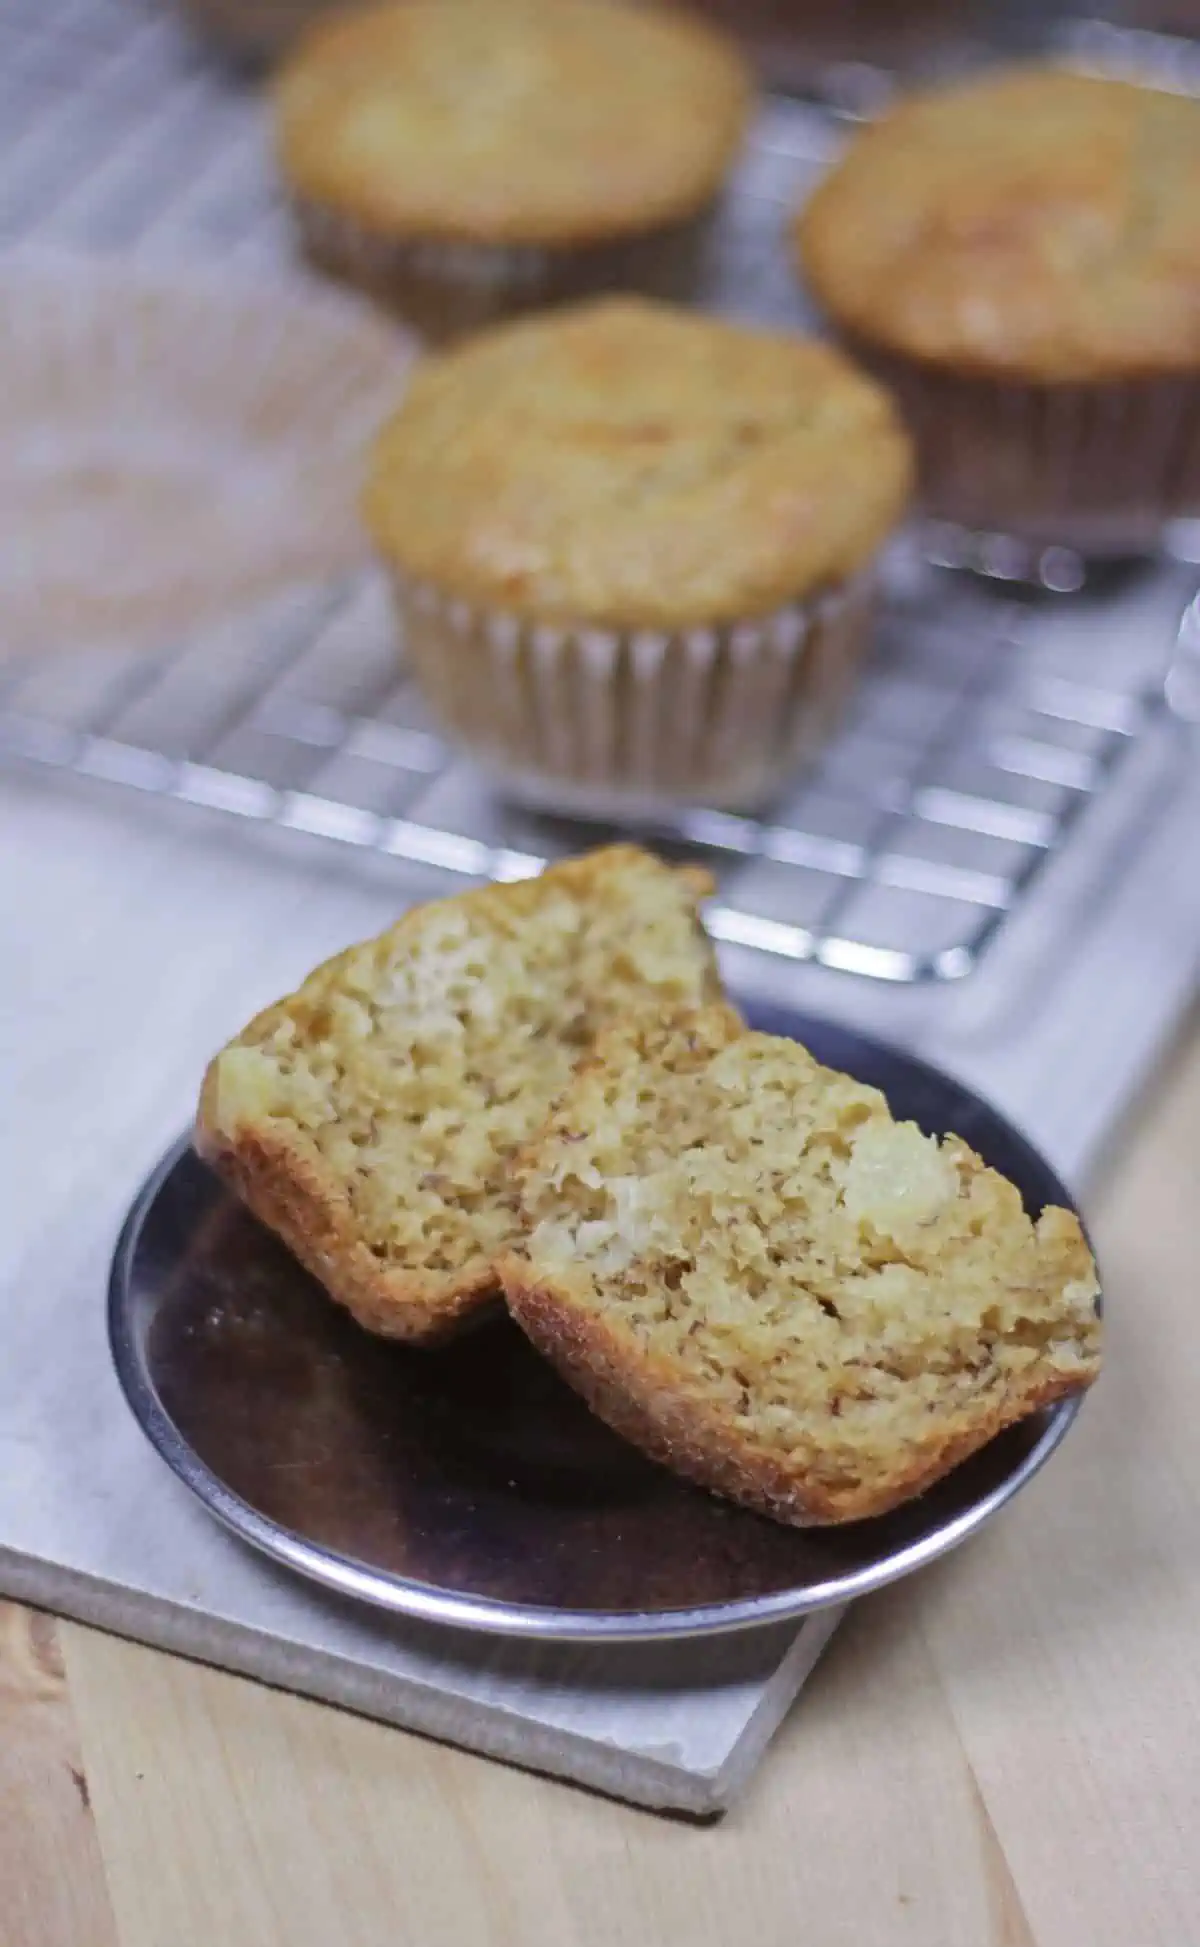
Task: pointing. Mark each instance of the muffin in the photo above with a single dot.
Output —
(463, 159)
(370, 1119)
(1019, 258)
(752, 1272)
(632, 548)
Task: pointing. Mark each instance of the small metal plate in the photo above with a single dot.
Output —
(469, 1485)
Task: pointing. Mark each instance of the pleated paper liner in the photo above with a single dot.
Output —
(175, 447)
(444, 289)
(635, 723)
(1099, 467)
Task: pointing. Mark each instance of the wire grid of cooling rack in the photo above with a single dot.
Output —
(973, 746)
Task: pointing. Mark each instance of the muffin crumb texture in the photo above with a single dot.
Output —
(628, 464)
(371, 1118)
(1038, 224)
(749, 1269)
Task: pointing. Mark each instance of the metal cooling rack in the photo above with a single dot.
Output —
(977, 739)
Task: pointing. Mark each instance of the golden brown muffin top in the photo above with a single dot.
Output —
(1037, 225)
(511, 121)
(629, 464)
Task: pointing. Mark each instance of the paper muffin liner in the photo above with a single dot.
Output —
(175, 447)
(445, 288)
(630, 724)
(1096, 467)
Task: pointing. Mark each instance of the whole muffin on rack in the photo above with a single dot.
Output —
(632, 548)
(466, 158)
(1019, 257)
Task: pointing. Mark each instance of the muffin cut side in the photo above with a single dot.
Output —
(371, 1118)
(756, 1275)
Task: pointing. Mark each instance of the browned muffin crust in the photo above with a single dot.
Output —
(511, 121)
(630, 464)
(1035, 225)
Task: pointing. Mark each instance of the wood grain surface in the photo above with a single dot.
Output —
(1001, 1753)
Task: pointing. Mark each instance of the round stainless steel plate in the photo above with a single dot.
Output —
(468, 1486)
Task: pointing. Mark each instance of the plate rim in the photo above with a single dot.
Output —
(401, 1596)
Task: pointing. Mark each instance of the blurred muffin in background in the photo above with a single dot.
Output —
(463, 159)
(1019, 258)
(632, 550)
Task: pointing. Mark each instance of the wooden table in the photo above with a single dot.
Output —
(1004, 1751)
